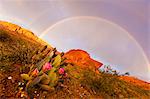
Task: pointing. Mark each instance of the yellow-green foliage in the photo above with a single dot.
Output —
(111, 85)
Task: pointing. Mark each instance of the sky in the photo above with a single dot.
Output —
(131, 15)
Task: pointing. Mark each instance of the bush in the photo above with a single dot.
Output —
(110, 85)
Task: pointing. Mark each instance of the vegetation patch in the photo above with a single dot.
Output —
(30, 69)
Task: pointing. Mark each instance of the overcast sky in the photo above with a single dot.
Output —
(38, 15)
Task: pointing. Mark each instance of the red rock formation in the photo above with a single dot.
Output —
(82, 58)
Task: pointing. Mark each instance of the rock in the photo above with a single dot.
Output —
(82, 58)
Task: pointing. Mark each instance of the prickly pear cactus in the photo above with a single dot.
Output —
(46, 72)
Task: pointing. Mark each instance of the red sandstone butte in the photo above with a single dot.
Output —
(82, 58)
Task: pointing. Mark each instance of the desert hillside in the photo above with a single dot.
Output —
(31, 68)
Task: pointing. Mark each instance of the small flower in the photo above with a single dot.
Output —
(65, 75)
(35, 72)
(47, 67)
(9, 77)
(61, 71)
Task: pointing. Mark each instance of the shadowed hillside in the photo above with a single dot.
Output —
(30, 68)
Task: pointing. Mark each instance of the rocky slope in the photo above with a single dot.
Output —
(19, 30)
(20, 49)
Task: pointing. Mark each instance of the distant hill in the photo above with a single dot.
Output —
(15, 29)
(21, 49)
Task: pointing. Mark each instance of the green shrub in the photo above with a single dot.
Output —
(111, 85)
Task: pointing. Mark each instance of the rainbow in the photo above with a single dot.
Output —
(99, 19)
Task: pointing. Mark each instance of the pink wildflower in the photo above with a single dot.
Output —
(61, 71)
(35, 72)
(47, 67)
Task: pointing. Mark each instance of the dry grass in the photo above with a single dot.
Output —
(111, 85)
